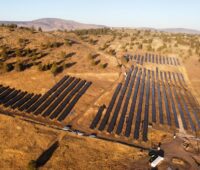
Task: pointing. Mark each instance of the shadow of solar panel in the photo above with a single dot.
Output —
(74, 101)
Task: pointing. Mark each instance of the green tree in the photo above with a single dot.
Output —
(40, 29)
(19, 66)
(54, 68)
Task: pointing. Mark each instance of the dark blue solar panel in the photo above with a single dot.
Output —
(74, 101)
(125, 107)
(97, 117)
(119, 103)
(139, 111)
(132, 109)
(63, 104)
(166, 101)
(146, 112)
(110, 107)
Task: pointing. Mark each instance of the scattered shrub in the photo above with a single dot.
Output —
(7, 67)
(103, 66)
(32, 165)
(19, 66)
(54, 68)
(40, 29)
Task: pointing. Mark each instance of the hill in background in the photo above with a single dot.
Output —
(50, 24)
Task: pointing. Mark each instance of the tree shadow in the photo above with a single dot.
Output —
(70, 55)
(46, 155)
(68, 65)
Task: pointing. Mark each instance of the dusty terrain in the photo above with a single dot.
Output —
(95, 57)
(74, 152)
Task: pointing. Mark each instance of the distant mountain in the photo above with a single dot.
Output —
(172, 30)
(49, 24)
(180, 30)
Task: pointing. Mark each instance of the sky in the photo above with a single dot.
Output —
(116, 13)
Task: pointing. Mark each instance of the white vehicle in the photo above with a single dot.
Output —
(67, 128)
(157, 161)
(79, 133)
(93, 135)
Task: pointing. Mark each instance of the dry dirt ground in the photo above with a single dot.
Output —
(33, 139)
(23, 141)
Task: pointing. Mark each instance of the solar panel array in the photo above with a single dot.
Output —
(148, 97)
(151, 58)
(57, 103)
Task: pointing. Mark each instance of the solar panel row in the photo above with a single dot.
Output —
(74, 101)
(60, 98)
(156, 59)
(125, 107)
(118, 106)
(15, 99)
(159, 98)
(110, 107)
(48, 102)
(146, 112)
(166, 101)
(168, 94)
(19, 103)
(132, 109)
(139, 111)
(97, 117)
(153, 99)
(46, 95)
(69, 97)
(172, 102)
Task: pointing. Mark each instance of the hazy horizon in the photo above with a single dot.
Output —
(137, 14)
